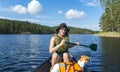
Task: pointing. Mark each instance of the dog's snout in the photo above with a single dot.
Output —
(88, 59)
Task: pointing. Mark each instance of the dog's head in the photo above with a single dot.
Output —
(84, 58)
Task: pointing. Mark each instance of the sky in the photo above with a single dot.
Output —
(75, 13)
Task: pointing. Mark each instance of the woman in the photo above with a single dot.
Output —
(58, 45)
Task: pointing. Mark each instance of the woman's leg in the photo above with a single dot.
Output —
(55, 59)
(66, 57)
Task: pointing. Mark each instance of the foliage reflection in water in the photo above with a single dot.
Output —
(24, 53)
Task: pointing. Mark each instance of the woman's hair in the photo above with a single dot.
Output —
(62, 25)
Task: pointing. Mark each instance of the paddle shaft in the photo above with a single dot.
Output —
(76, 44)
(91, 46)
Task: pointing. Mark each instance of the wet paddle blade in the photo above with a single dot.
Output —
(93, 47)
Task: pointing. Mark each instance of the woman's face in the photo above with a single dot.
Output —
(62, 31)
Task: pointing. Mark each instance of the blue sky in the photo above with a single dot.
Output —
(75, 13)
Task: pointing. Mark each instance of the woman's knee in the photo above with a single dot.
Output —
(66, 57)
(54, 56)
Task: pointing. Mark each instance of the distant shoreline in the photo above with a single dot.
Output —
(108, 34)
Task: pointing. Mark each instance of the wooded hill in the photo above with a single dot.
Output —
(110, 20)
(18, 27)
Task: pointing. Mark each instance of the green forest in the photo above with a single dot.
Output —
(110, 20)
(24, 27)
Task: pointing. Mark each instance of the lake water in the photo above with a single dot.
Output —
(24, 53)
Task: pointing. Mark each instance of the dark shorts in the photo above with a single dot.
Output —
(61, 54)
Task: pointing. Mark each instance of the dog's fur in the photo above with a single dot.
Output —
(82, 61)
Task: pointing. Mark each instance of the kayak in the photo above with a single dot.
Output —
(44, 67)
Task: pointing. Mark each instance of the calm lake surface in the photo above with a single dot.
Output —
(24, 53)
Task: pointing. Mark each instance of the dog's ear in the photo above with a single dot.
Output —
(83, 57)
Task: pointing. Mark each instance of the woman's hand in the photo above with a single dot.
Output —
(62, 42)
(78, 44)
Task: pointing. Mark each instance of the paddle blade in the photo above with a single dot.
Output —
(93, 47)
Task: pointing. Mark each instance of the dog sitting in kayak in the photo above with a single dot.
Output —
(71, 66)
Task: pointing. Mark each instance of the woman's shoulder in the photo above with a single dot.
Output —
(54, 36)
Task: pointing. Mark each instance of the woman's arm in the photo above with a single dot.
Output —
(71, 45)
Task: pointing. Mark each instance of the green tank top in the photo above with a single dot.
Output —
(64, 48)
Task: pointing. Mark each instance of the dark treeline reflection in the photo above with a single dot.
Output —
(111, 54)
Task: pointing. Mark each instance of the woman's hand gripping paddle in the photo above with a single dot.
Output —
(91, 46)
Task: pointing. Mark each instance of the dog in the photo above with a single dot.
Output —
(71, 66)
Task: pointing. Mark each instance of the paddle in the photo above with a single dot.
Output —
(91, 46)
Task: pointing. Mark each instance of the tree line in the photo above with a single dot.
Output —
(17, 27)
(110, 20)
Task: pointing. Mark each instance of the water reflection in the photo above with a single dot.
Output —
(111, 54)
(105, 59)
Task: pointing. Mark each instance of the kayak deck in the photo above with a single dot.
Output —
(45, 67)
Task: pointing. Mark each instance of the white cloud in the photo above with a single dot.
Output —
(94, 27)
(90, 2)
(34, 7)
(60, 12)
(3, 17)
(74, 14)
(19, 9)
